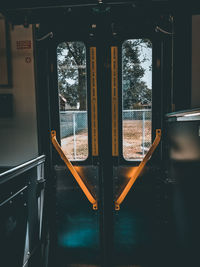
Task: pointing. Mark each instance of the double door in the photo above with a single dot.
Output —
(106, 123)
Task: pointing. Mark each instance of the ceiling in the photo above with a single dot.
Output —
(34, 11)
(32, 4)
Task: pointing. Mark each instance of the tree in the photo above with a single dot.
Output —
(72, 73)
(135, 90)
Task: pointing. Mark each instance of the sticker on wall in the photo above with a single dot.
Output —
(23, 44)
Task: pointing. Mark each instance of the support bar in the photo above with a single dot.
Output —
(13, 196)
(73, 171)
(138, 171)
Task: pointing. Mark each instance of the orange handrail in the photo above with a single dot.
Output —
(73, 171)
(138, 171)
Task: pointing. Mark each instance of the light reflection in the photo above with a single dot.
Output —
(78, 231)
(78, 238)
(131, 172)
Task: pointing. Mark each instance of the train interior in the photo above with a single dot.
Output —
(99, 133)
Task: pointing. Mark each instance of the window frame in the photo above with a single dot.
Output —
(88, 160)
(122, 121)
(121, 160)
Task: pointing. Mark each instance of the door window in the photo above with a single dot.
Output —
(72, 89)
(136, 97)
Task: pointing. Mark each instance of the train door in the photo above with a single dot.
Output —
(107, 77)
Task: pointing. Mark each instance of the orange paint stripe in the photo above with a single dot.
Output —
(114, 86)
(94, 109)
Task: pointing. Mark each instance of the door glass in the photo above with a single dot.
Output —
(72, 89)
(137, 97)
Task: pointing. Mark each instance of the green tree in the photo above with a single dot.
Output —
(72, 73)
(135, 90)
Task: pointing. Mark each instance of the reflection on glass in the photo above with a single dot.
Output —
(71, 62)
(137, 97)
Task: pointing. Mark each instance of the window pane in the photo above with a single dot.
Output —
(137, 97)
(71, 62)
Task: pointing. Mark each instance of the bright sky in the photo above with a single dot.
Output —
(147, 52)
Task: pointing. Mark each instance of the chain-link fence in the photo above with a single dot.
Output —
(74, 134)
(72, 122)
(137, 114)
(136, 133)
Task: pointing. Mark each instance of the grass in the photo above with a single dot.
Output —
(67, 144)
(132, 138)
(132, 141)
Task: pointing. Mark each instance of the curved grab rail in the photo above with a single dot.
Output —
(15, 171)
(138, 171)
(73, 171)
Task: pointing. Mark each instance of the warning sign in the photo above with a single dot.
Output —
(114, 85)
(25, 44)
(94, 110)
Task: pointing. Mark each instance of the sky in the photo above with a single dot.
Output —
(147, 52)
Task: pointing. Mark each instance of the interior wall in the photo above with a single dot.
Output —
(18, 133)
(195, 97)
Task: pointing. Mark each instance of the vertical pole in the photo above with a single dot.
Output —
(74, 133)
(105, 149)
(143, 131)
(172, 66)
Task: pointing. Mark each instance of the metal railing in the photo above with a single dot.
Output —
(22, 191)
